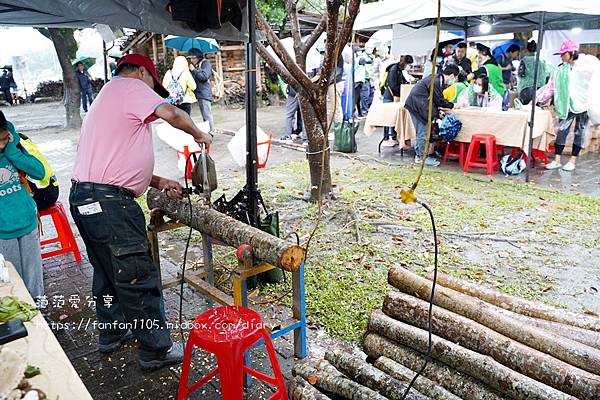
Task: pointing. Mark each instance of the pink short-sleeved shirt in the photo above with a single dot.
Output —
(115, 145)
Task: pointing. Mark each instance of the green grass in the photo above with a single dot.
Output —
(346, 280)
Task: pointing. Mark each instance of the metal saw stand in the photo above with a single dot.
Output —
(203, 281)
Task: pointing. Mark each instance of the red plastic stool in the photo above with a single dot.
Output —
(63, 229)
(490, 162)
(189, 166)
(537, 155)
(228, 332)
(456, 149)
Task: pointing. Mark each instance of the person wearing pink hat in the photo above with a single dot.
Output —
(569, 106)
(114, 165)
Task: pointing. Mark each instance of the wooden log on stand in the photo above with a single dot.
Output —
(485, 368)
(422, 384)
(570, 351)
(533, 363)
(266, 247)
(300, 389)
(521, 306)
(335, 384)
(373, 378)
(462, 385)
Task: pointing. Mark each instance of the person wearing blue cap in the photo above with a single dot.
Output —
(202, 73)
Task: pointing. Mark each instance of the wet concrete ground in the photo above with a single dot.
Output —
(119, 376)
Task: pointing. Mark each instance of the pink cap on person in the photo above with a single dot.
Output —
(567, 46)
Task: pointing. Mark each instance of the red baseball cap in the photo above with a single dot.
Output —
(143, 61)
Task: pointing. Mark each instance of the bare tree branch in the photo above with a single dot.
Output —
(333, 10)
(292, 10)
(282, 53)
(277, 67)
(314, 36)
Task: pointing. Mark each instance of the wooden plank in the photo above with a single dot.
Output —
(154, 49)
(212, 292)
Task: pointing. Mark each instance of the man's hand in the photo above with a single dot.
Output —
(204, 138)
(172, 189)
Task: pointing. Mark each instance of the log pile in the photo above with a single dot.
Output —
(486, 345)
(54, 89)
(234, 93)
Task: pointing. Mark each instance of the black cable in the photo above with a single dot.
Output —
(429, 322)
(185, 253)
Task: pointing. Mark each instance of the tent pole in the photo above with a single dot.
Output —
(466, 28)
(535, 86)
(251, 151)
(104, 51)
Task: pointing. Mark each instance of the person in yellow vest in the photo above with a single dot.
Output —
(45, 191)
(473, 55)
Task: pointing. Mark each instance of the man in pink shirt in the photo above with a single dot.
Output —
(113, 166)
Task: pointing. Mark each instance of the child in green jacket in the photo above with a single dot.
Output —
(19, 239)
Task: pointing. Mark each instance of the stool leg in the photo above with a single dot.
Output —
(462, 150)
(474, 146)
(70, 237)
(281, 390)
(231, 372)
(185, 371)
(491, 157)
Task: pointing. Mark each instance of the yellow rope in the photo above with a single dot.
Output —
(408, 195)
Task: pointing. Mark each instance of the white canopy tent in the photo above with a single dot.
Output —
(467, 15)
(504, 16)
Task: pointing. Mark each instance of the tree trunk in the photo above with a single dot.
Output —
(485, 368)
(585, 336)
(462, 385)
(422, 384)
(66, 46)
(373, 378)
(570, 351)
(300, 389)
(476, 337)
(336, 384)
(521, 306)
(265, 247)
(318, 152)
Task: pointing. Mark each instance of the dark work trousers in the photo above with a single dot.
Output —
(113, 229)
(7, 95)
(86, 95)
(293, 118)
(564, 126)
(187, 107)
(357, 99)
(371, 95)
(389, 131)
(365, 92)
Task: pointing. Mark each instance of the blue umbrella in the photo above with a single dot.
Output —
(502, 47)
(184, 44)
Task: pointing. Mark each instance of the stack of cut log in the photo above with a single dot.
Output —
(234, 93)
(485, 346)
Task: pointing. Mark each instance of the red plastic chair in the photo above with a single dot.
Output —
(228, 332)
(490, 162)
(268, 143)
(537, 155)
(65, 237)
(456, 150)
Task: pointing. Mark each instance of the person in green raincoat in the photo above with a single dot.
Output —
(488, 67)
(569, 104)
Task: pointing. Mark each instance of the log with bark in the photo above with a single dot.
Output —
(521, 306)
(300, 389)
(570, 351)
(373, 378)
(533, 363)
(422, 384)
(485, 368)
(462, 385)
(585, 336)
(335, 384)
(266, 247)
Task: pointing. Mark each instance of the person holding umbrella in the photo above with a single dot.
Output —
(85, 85)
(202, 73)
